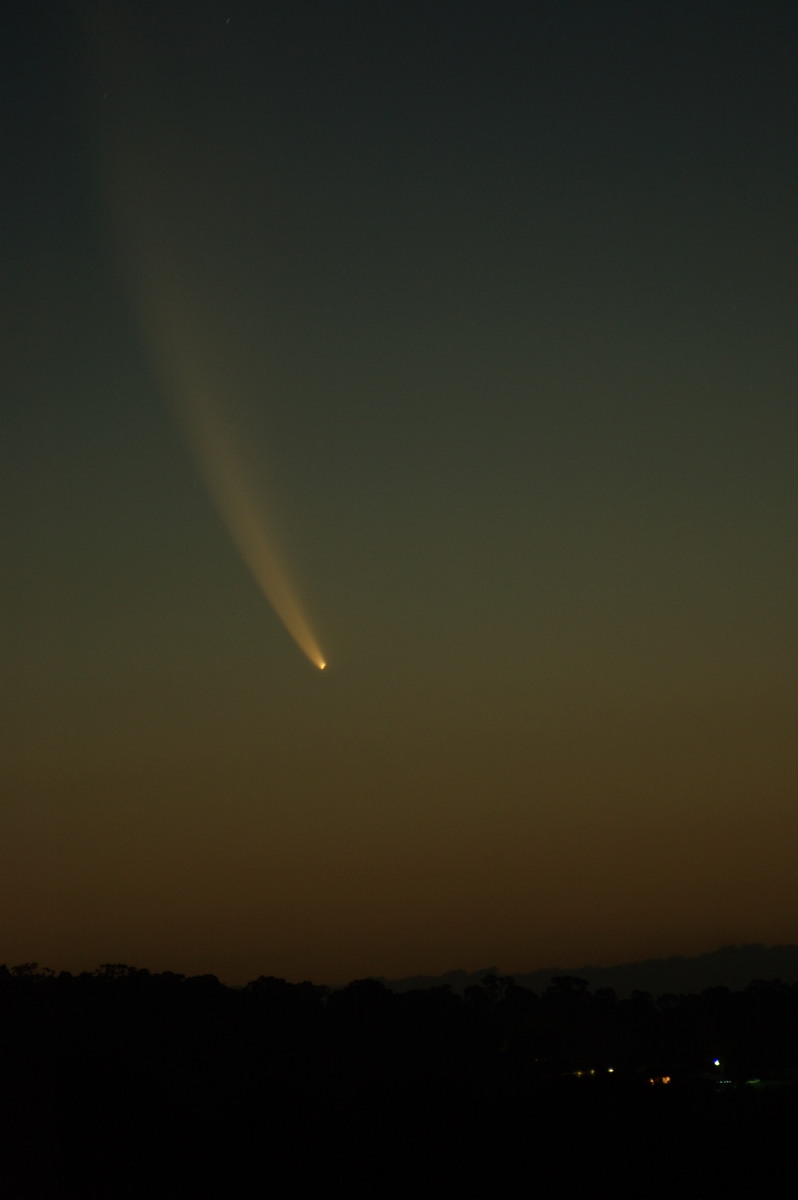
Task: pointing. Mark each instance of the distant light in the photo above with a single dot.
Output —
(610, 1070)
(716, 1062)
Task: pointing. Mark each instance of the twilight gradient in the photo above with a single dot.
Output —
(486, 314)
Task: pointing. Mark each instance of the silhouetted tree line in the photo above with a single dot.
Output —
(121, 1082)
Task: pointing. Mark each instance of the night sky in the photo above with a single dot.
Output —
(486, 311)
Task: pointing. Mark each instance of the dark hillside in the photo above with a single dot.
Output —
(125, 1083)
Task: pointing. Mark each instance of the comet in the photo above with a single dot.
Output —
(183, 366)
(236, 496)
(187, 335)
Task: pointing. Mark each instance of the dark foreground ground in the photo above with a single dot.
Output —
(125, 1084)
